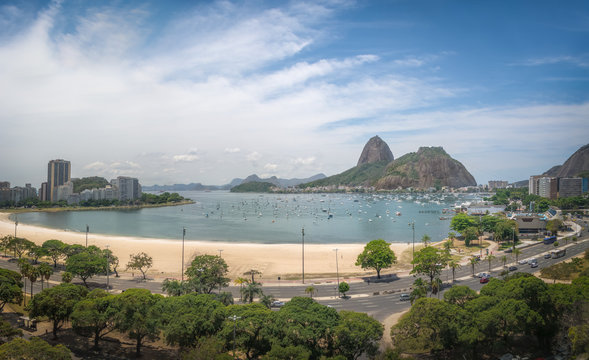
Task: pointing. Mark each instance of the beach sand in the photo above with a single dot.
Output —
(272, 260)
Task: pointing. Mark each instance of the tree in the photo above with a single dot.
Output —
(187, 318)
(311, 290)
(304, 322)
(66, 277)
(516, 252)
(241, 282)
(57, 303)
(113, 261)
(20, 246)
(71, 250)
(357, 334)
(453, 264)
(55, 250)
(288, 352)
(553, 226)
(94, 316)
(429, 262)
(490, 258)
(85, 265)
(137, 315)
(470, 234)
(7, 332)
(447, 246)
(5, 243)
(253, 335)
(377, 255)
(343, 288)
(45, 272)
(10, 288)
(419, 290)
(461, 221)
(459, 295)
(473, 262)
(252, 273)
(504, 260)
(141, 262)
(33, 349)
(249, 292)
(207, 272)
(25, 269)
(36, 252)
(426, 239)
(452, 237)
(32, 275)
(267, 300)
(174, 287)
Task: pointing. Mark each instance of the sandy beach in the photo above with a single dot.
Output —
(272, 260)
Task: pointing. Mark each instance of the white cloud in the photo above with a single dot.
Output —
(271, 167)
(304, 161)
(581, 61)
(190, 156)
(232, 150)
(254, 156)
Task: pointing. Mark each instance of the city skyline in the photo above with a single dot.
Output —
(180, 93)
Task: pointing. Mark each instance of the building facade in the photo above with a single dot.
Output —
(58, 173)
(548, 187)
(568, 187)
(498, 184)
(128, 188)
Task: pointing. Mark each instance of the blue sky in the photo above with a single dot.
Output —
(186, 91)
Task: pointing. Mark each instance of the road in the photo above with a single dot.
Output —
(379, 299)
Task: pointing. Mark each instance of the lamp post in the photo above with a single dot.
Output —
(87, 229)
(220, 251)
(234, 318)
(183, 235)
(336, 267)
(15, 225)
(412, 224)
(303, 243)
(107, 266)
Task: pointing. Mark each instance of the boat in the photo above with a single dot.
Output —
(398, 213)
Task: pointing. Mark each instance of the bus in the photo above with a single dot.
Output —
(549, 240)
(558, 253)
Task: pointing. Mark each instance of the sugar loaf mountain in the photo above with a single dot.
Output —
(377, 167)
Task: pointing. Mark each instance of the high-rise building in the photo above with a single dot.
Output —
(548, 187)
(128, 187)
(533, 184)
(568, 187)
(497, 184)
(58, 173)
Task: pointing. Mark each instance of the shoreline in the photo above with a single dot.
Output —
(273, 260)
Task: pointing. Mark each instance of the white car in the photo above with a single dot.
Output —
(531, 261)
(523, 262)
(483, 274)
(277, 303)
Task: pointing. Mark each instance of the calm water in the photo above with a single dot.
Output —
(269, 218)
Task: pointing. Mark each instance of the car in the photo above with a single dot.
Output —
(512, 268)
(523, 262)
(404, 297)
(534, 265)
(508, 250)
(484, 280)
(482, 274)
(277, 303)
(547, 256)
(531, 261)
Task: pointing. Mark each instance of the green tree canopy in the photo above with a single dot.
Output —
(57, 303)
(253, 335)
(85, 265)
(35, 348)
(377, 255)
(137, 315)
(344, 287)
(459, 295)
(94, 316)
(462, 221)
(10, 288)
(357, 334)
(430, 262)
(207, 272)
(141, 262)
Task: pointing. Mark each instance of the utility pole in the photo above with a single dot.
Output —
(336, 268)
(107, 266)
(15, 225)
(234, 318)
(220, 251)
(183, 235)
(412, 224)
(303, 233)
(87, 229)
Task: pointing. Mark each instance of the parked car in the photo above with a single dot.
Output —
(277, 303)
(484, 280)
(512, 268)
(534, 265)
(482, 274)
(405, 297)
(531, 261)
(547, 256)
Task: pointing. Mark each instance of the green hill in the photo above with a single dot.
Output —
(89, 183)
(253, 186)
(365, 174)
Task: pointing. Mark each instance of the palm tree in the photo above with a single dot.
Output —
(173, 287)
(45, 272)
(250, 291)
(516, 253)
(267, 300)
(419, 290)
(425, 239)
(448, 246)
(252, 272)
(453, 264)
(436, 286)
(33, 275)
(504, 259)
(240, 281)
(489, 259)
(24, 267)
(311, 290)
(473, 262)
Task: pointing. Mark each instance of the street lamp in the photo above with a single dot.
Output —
(220, 251)
(303, 237)
(87, 229)
(412, 224)
(234, 318)
(15, 225)
(107, 266)
(183, 235)
(336, 267)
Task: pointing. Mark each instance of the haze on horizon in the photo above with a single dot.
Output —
(180, 92)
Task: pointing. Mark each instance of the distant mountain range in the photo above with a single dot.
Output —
(282, 183)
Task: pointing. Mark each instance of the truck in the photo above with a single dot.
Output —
(558, 253)
(549, 240)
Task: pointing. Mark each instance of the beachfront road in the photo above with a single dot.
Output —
(379, 299)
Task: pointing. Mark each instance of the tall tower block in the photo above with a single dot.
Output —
(58, 173)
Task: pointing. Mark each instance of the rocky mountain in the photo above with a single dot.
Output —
(283, 183)
(428, 167)
(375, 150)
(576, 164)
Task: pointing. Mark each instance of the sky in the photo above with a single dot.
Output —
(207, 91)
